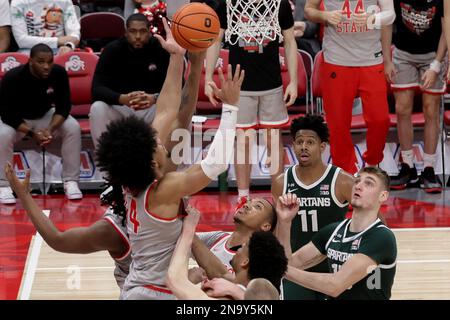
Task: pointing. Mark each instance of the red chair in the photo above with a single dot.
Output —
(100, 28)
(10, 60)
(80, 67)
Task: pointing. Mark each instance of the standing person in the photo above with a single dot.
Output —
(361, 252)
(128, 77)
(53, 22)
(262, 103)
(353, 66)
(324, 192)
(110, 232)
(255, 215)
(417, 64)
(41, 114)
(5, 26)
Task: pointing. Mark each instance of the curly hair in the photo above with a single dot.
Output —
(311, 122)
(125, 153)
(266, 258)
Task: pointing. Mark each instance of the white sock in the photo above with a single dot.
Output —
(429, 160)
(408, 157)
(243, 193)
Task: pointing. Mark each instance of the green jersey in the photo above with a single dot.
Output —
(377, 242)
(319, 207)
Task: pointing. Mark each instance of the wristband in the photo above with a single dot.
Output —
(435, 66)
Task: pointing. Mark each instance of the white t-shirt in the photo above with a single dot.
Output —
(5, 18)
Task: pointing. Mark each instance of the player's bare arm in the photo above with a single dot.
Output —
(277, 187)
(290, 46)
(314, 14)
(334, 284)
(344, 185)
(306, 257)
(287, 208)
(169, 100)
(212, 54)
(99, 236)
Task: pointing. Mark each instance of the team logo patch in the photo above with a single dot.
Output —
(333, 75)
(355, 244)
(75, 64)
(152, 67)
(10, 63)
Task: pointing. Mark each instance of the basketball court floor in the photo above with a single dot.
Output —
(29, 269)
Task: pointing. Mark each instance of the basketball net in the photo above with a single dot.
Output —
(252, 20)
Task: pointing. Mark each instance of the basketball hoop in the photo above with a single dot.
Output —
(252, 21)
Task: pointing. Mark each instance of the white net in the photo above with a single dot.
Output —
(252, 20)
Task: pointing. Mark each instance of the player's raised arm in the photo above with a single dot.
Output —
(220, 152)
(168, 103)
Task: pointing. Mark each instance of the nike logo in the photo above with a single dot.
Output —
(332, 240)
(227, 112)
(292, 190)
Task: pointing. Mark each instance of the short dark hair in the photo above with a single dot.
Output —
(273, 217)
(125, 153)
(137, 17)
(381, 174)
(266, 258)
(314, 123)
(40, 47)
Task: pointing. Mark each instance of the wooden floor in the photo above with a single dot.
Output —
(423, 270)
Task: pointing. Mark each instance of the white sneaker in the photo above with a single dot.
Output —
(6, 196)
(72, 191)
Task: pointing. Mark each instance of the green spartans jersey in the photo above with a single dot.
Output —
(318, 208)
(377, 242)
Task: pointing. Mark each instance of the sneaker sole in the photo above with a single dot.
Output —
(75, 197)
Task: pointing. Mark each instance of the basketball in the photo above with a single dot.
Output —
(195, 26)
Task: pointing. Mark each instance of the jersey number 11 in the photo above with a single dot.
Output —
(304, 216)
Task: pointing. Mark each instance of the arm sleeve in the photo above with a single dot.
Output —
(386, 16)
(71, 23)
(211, 238)
(20, 32)
(7, 110)
(221, 149)
(63, 103)
(380, 246)
(101, 84)
(321, 238)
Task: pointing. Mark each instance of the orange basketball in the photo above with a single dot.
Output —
(195, 26)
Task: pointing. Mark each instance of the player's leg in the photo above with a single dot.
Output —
(373, 92)
(246, 136)
(144, 293)
(339, 86)
(272, 116)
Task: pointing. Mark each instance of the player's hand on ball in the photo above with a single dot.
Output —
(169, 44)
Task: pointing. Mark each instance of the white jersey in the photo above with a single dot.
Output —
(153, 241)
(348, 44)
(122, 263)
(216, 241)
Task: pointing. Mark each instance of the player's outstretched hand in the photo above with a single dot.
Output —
(169, 44)
(230, 86)
(287, 207)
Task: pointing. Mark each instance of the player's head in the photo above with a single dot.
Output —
(310, 136)
(138, 30)
(263, 257)
(371, 189)
(126, 153)
(41, 61)
(261, 289)
(257, 214)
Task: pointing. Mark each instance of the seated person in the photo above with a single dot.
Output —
(53, 23)
(35, 103)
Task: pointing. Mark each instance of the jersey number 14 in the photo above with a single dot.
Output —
(304, 218)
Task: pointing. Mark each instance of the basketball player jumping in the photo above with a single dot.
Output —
(324, 192)
(110, 232)
(361, 252)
